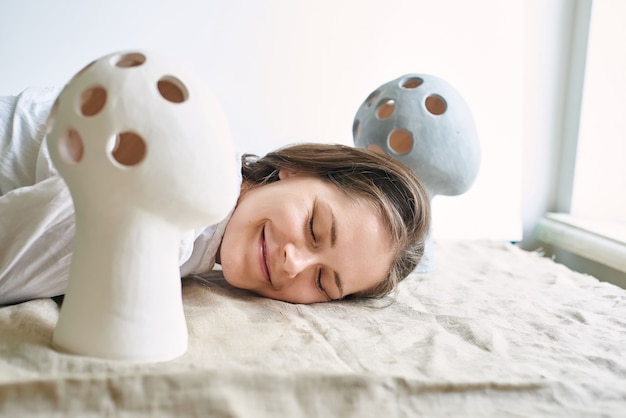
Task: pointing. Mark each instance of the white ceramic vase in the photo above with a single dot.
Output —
(146, 152)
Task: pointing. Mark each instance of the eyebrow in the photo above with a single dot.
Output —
(333, 242)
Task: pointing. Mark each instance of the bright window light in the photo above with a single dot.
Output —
(600, 178)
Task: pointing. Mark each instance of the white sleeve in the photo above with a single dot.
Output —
(22, 130)
(36, 234)
(186, 245)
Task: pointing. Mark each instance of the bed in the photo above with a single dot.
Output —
(492, 331)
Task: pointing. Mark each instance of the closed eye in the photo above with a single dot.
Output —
(311, 230)
(318, 283)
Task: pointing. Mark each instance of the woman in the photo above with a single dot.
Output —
(313, 222)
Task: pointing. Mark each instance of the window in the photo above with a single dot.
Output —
(599, 193)
(592, 219)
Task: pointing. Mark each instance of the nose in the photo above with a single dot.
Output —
(297, 259)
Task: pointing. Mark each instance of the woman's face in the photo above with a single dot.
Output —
(303, 240)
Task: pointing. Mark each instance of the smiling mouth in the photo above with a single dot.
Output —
(264, 257)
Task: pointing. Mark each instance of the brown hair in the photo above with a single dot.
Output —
(393, 189)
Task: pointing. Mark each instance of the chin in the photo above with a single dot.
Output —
(231, 279)
(227, 276)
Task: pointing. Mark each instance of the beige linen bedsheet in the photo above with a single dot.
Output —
(493, 332)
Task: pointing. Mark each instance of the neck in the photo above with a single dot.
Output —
(123, 299)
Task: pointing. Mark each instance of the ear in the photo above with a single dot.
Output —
(285, 173)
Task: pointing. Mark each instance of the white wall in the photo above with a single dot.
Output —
(288, 70)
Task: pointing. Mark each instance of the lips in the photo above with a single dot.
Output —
(263, 257)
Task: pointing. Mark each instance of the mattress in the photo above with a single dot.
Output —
(493, 331)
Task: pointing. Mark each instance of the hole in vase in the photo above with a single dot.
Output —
(356, 129)
(172, 89)
(93, 100)
(128, 149)
(385, 109)
(400, 141)
(132, 59)
(436, 104)
(71, 146)
(412, 82)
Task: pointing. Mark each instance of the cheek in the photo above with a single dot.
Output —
(230, 247)
(226, 264)
(235, 276)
